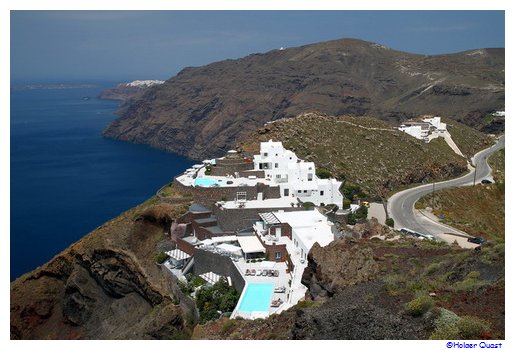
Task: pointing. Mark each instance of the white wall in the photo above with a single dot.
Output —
(284, 168)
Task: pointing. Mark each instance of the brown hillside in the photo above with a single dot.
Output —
(201, 111)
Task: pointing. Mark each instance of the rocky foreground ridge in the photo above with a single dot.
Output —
(108, 286)
(363, 289)
(105, 286)
(201, 111)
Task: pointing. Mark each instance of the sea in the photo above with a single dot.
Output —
(65, 178)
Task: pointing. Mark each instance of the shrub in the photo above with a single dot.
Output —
(308, 205)
(445, 318)
(471, 327)
(470, 283)
(323, 173)
(361, 213)
(389, 222)
(346, 203)
(419, 305)
(161, 257)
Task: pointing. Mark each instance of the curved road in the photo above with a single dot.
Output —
(401, 206)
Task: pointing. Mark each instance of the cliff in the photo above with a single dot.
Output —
(201, 111)
(105, 286)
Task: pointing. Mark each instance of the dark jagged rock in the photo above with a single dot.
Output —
(106, 286)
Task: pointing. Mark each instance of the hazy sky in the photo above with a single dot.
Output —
(125, 45)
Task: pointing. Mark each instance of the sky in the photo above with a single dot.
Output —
(127, 45)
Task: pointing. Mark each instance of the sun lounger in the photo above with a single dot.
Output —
(265, 272)
(247, 272)
(252, 272)
(276, 273)
(258, 273)
(276, 303)
(280, 290)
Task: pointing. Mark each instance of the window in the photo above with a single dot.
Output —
(265, 154)
(286, 192)
(278, 176)
(276, 155)
(277, 255)
(277, 165)
(299, 191)
(305, 191)
(310, 177)
(321, 193)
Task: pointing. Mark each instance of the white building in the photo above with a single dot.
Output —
(308, 227)
(421, 130)
(436, 123)
(295, 177)
(413, 130)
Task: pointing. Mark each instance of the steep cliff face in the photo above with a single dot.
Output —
(202, 111)
(106, 286)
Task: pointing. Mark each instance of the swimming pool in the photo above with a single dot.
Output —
(257, 297)
(204, 182)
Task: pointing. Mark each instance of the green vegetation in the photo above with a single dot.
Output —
(358, 216)
(161, 257)
(352, 191)
(451, 326)
(214, 300)
(420, 305)
(389, 222)
(323, 173)
(470, 283)
(308, 205)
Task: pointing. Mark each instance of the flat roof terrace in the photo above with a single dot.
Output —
(283, 202)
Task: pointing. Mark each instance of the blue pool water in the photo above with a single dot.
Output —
(257, 297)
(204, 182)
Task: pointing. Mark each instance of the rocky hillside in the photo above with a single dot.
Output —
(201, 111)
(367, 151)
(106, 286)
(397, 289)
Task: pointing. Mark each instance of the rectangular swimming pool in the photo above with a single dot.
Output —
(257, 297)
(204, 182)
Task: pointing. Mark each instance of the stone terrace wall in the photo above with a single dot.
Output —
(222, 265)
(239, 219)
(229, 168)
(207, 196)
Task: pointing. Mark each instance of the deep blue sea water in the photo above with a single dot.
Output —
(66, 179)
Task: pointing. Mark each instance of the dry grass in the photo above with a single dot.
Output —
(477, 210)
(377, 160)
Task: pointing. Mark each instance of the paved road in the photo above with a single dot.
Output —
(401, 206)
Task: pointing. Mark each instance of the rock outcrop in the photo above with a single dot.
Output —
(106, 286)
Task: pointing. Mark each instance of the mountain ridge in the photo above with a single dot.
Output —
(202, 111)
